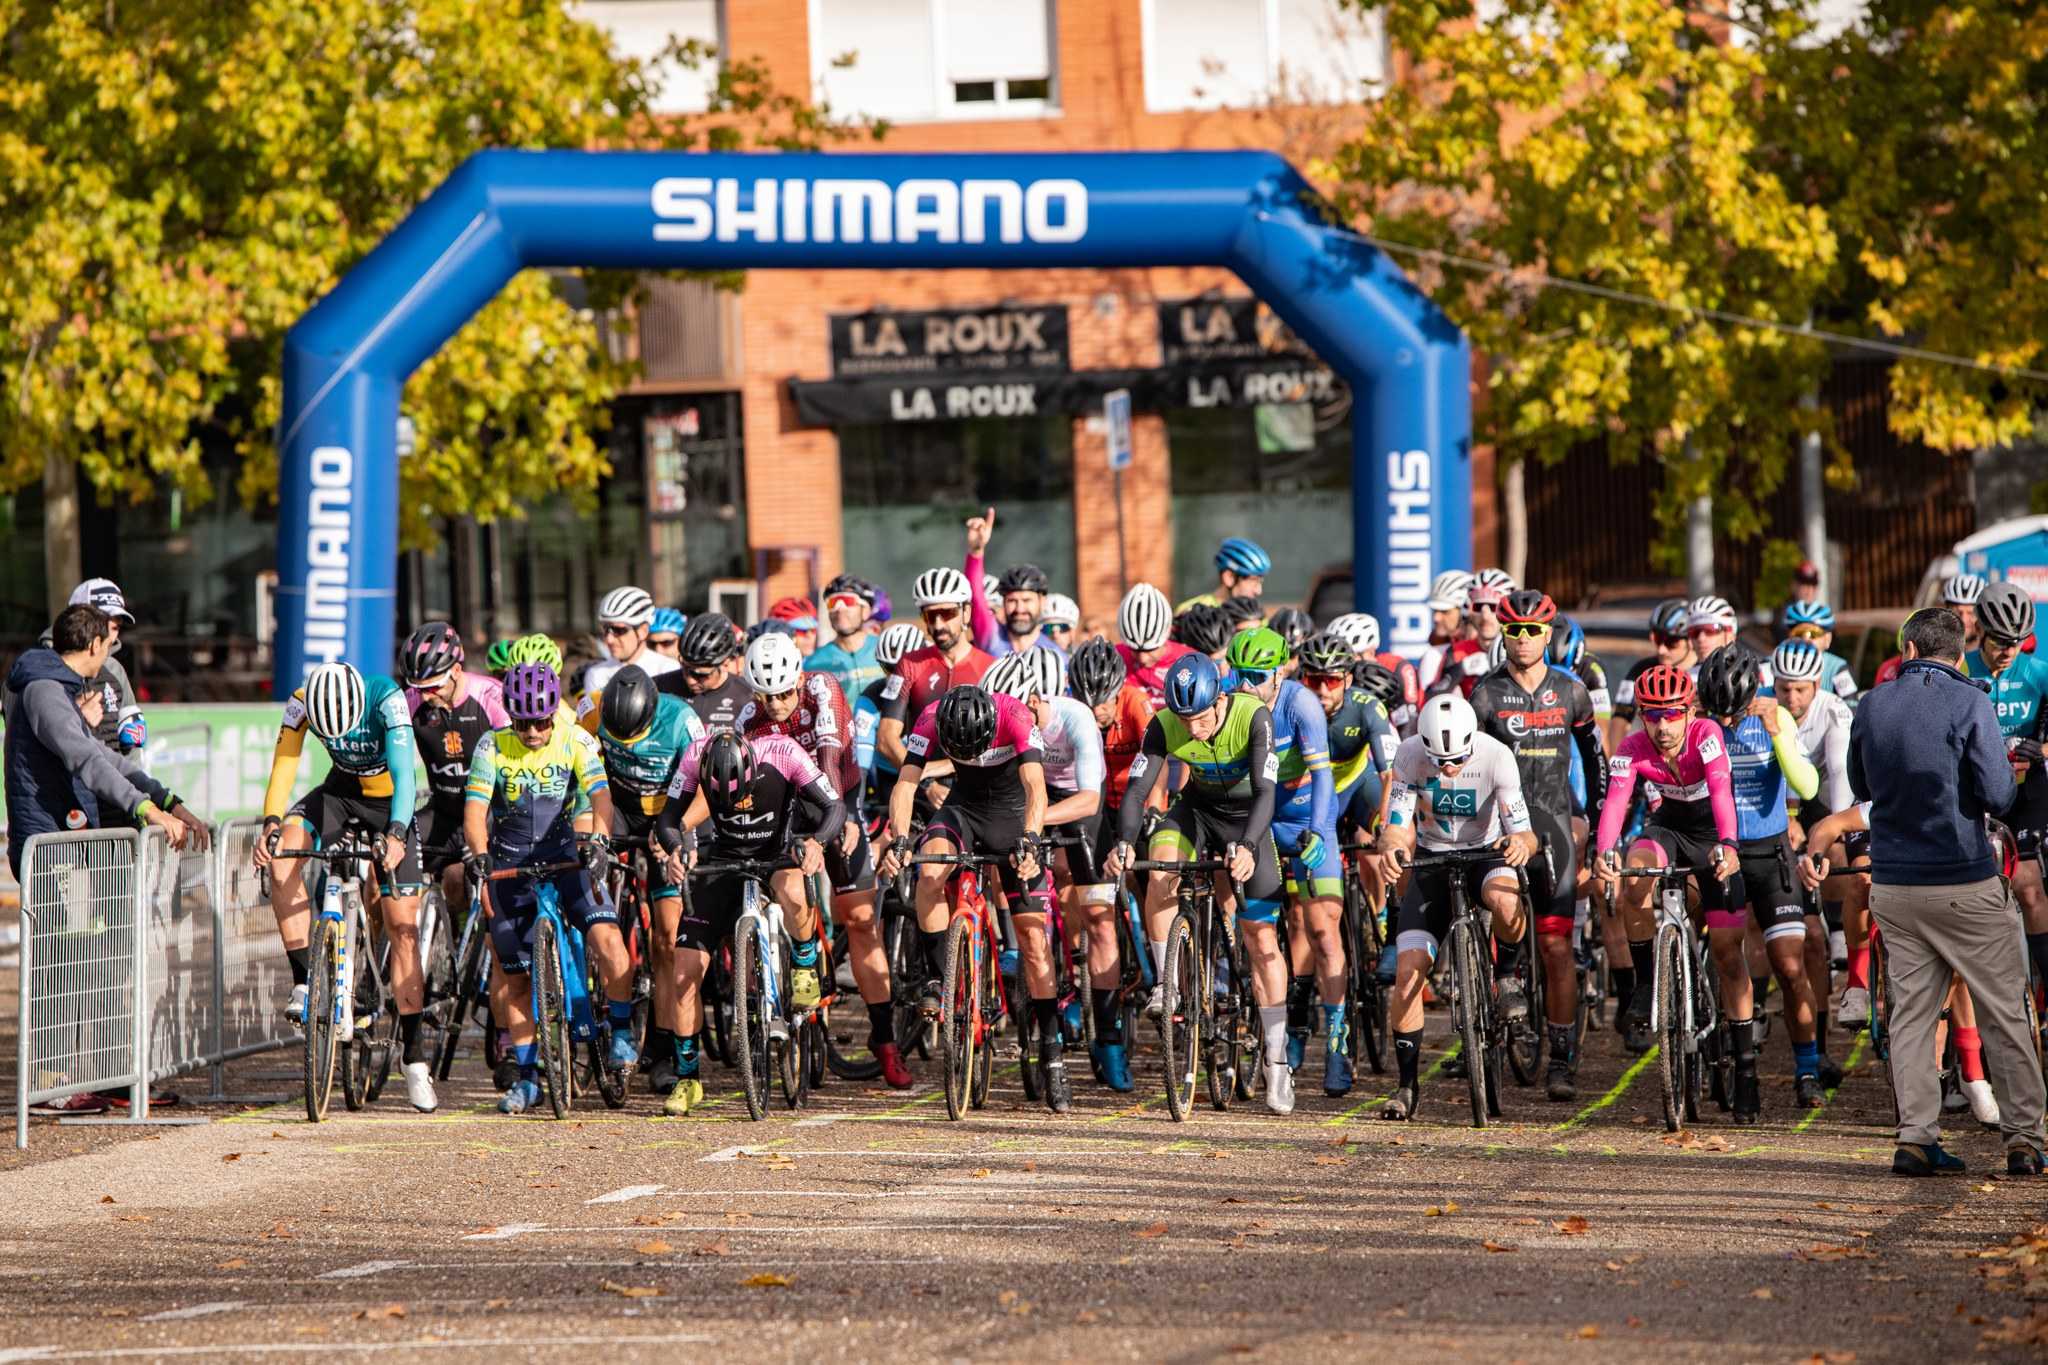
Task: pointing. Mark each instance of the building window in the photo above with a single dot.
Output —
(1278, 474)
(906, 488)
(919, 60)
(1218, 54)
(642, 29)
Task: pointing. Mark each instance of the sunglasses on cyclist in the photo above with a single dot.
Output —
(1663, 641)
(1999, 642)
(616, 628)
(1323, 682)
(1663, 712)
(941, 613)
(706, 675)
(1254, 677)
(1059, 630)
(1524, 630)
(1806, 632)
(534, 727)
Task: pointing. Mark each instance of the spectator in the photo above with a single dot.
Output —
(1926, 753)
(121, 726)
(1805, 588)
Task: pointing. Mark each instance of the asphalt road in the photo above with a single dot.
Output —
(870, 1227)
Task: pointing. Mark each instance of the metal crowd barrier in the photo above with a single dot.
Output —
(104, 1006)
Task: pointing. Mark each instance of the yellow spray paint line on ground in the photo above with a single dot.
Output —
(938, 1093)
(1615, 1092)
(1855, 1055)
(1340, 1120)
(1130, 1111)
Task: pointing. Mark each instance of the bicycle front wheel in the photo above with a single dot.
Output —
(1670, 1025)
(749, 1030)
(1525, 1040)
(1469, 969)
(1180, 1019)
(551, 1015)
(465, 972)
(320, 1048)
(959, 1001)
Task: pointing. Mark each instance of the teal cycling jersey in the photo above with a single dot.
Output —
(641, 768)
(2017, 694)
(373, 759)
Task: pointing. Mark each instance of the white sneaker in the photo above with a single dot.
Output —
(295, 1008)
(1852, 1011)
(1838, 949)
(1279, 1087)
(1155, 1003)
(1983, 1103)
(419, 1087)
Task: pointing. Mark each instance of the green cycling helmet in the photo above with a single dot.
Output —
(498, 657)
(1260, 650)
(537, 649)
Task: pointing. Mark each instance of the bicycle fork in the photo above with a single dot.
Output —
(761, 916)
(343, 1015)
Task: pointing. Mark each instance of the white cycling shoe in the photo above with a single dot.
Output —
(1983, 1104)
(1852, 1011)
(1279, 1087)
(1155, 1003)
(419, 1087)
(295, 1008)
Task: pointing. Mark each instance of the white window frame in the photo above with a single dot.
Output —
(949, 109)
(708, 73)
(1148, 28)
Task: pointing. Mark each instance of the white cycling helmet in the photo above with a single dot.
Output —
(626, 607)
(1962, 589)
(1360, 630)
(1144, 618)
(334, 700)
(992, 592)
(1034, 672)
(1447, 726)
(1496, 651)
(1447, 593)
(897, 641)
(1499, 580)
(774, 665)
(1798, 661)
(1709, 611)
(941, 588)
(1059, 610)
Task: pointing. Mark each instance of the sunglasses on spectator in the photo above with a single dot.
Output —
(1663, 712)
(1323, 682)
(1806, 632)
(1524, 630)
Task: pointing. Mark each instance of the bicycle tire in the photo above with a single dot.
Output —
(906, 977)
(319, 1041)
(845, 1062)
(1706, 1023)
(355, 1053)
(1525, 1044)
(610, 1082)
(1027, 1056)
(1471, 1016)
(457, 1007)
(1218, 1028)
(1248, 1039)
(1371, 1041)
(1084, 988)
(958, 1003)
(550, 1016)
(1669, 1023)
(383, 1030)
(749, 1026)
(984, 1052)
(1179, 1019)
(815, 1064)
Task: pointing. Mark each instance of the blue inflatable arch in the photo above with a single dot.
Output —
(347, 360)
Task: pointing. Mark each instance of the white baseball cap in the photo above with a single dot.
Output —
(105, 594)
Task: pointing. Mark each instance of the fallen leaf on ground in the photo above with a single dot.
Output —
(1634, 1321)
(1574, 1226)
(1235, 1199)
(980, 1172)
(737, 1216)
(1440, 1210)
(389, 1310)
(629, 1291)
(279, 1232)
(1153, 1230)
(232, 1156)
(1326, 1160)
(1213, 1155)
(1492, 1245)
(231, 1263)
(106, 1199)
(654, 1248)
(717, 1248)
(766, 1281)
(1762, 1294)
(1615, 1266)
(1086, 1316)
(651, 1220)
(1588, 1332)
(497, 1303)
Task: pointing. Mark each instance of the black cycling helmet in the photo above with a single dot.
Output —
(1326, 654)
(1024, 578)
(1728, 680)
(1203, 628)
(967, 722)
(727, 773)
(431, 651)
(708, 640)
(1295, 626)
(1238, 610)
(1376, 678)
(629, 703)
(847, 583)
(1097, 672)
(1667, 618)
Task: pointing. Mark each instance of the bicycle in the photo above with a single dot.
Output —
(768, 1032)
(1365, 996)
(1684, 1005)
(345, 1008)
(1071, 980)
(467, 997)
(970, 993)
(631, 856)
(1189, 1018)
(1475, 1004)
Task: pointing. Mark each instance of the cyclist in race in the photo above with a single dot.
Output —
(1455, 789)
(1122, 715)
(810, 709)
(926, 674)
(1959, 593)
(367, 730)
(1241, 569)
(794, 617)
(665, 633)
(1206, 630)
(1361, 631)
(1448, 599)
(1060, 619)
(1710, 624)
(1305, 830)
(879, 774)
(1145, 622)
(997, 808)
(1294, 626)
(1544, 716)
(452, 710)
(643, 735)
(708, 678)
(625, 617)
(1767, 766)
(520, 804)
(498, 657)
(2019, 686)
(542, 650)
(1681, 759)
(1074, 779)
(1471, 659)
(1225, 740)
(848, 658)
(1670, 645)
(763, 799)
(1814, 622)
(1363, 742)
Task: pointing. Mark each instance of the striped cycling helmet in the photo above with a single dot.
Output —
(626, 607)
(335, 700)
(1144, 618)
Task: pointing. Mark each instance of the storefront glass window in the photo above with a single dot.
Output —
(1280, 475)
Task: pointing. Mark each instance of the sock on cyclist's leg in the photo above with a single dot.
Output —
(1759, 989)
(1806, 1058)
(1831, 915)
(1742, 1033)
(1624, 979)
(301, 967)
(409, 1034)
(804, 954)
(1158, 946)
(1273, 1027)
(1046, 1015)
(1858, 973)
(1408, 1057)
(620, 1013)
(934, 953)
(1108, 1028)
(1300, 995)
(659, 1041)
(1333, 1022)
(523, 1053)
(686, 1056)
(1561, 1044)
(1640, 955)
(881, 1025)
(1970, 1053)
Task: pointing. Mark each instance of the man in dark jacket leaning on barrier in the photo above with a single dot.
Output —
(1926, 752)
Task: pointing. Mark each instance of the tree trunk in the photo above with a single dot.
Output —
(1515, 522)
(61, 570)
(1699, 546)
(1813, 509)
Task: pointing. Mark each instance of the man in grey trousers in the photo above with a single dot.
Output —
(1926, 753)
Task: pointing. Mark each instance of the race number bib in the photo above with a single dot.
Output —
(1710, 748)
(917, 746)
(893, 688)
(1272, 768)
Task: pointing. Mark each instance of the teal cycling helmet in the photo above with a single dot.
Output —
(667, 621)
(1243, 558)
(1810, 614)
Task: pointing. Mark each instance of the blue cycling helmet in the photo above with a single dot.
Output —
(1192, 684)
(668, 621)
(1810, 614)
(1243, 558)
(771, 626)
(1567, 644)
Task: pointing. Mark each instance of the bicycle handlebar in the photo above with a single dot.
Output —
(744, 866)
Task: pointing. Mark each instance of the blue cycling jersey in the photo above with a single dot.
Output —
(641, 768)
(1759, 781)
(1301, 741)
(2017, 694)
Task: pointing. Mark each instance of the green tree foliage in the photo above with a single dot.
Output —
(1615, 142)
(180, 180)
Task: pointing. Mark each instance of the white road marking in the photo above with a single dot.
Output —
(1001, 1154)
(500, 1234)
(629, 1192)
(352, 1272)
(197, 1310)
(520, 1343)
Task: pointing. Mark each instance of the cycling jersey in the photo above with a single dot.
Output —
(533, 792)
(1835, 676)
(1362, 743)
(1824, 734)
(1543, 726)
(990, 778)
(1152, 677)
(853, 669)
(1122, 738)
(1402, 714)
(1593, 674)
(651, 662)
(2017, 694)
(867, 719)
(1073, 747)
(448, 735)
(641, 768)
(1301, 740)
(718, 708)
(373, 759)
(787, 785)
(822, 725)
(1478, 805)
(1692, 793)
(1625, 690)
(923, 676)
(1762, 764)
(1233, 774)
(1465, 663)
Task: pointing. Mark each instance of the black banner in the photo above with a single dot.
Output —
(849, 402)
(1029, 339)
(1212, 328)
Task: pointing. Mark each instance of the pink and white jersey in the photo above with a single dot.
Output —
(778, 759)
(991, 778)
(1073, 747)
(1692, 794)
